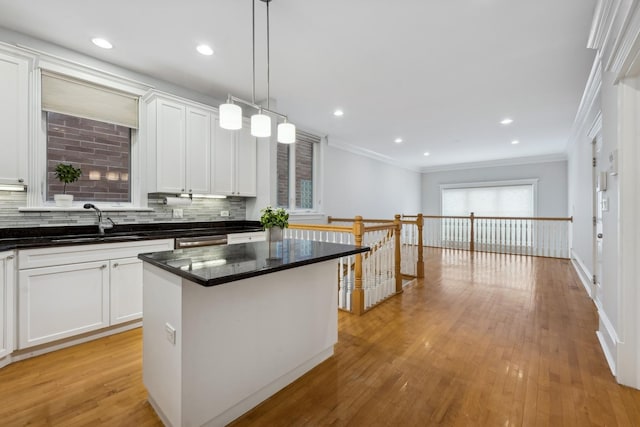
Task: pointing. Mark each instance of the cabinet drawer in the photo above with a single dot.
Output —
(61, 255)
(254, 236)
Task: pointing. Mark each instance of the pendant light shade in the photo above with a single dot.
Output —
(286, 133)
(230, 116)
(261, 125)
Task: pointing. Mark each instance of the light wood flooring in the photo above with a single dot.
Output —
(485, 339)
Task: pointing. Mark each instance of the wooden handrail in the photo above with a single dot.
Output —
(321, 227)
(331, 219)
(380, 227)
(532, 218)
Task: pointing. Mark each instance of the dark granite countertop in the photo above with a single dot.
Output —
(36, 237)
(216, 265)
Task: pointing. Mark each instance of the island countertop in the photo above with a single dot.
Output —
(216, 265)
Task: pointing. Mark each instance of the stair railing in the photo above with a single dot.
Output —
(534, 236)
(364, 280)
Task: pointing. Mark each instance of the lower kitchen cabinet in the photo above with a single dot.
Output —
(72, 290)
(7, 283)
(126, 290)
(62, 301)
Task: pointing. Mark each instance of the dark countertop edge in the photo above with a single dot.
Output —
(235, 277)
(174, 230)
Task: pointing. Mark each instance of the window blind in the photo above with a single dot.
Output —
(66, 95)
(302, 136)
(507, 200)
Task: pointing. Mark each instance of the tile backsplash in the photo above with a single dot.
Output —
(201, 210)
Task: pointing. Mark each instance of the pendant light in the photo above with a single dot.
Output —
(230, 116)
(286, 133)
(260, 125)
(231, 113)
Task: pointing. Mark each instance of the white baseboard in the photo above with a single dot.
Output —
(584, 274)
(608, 338)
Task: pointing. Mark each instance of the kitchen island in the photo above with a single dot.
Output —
(225, 327)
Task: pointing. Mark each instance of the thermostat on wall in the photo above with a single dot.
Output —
(613, 162)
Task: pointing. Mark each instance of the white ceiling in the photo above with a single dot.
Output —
(440, 74)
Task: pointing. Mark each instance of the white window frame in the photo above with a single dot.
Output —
(317, 163)
(36, 191)
(507, 183)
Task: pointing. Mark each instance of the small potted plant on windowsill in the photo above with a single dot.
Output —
(66, 174)
(273, 221)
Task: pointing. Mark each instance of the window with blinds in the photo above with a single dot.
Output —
(90, 127)
(511, 200)
(296, 172)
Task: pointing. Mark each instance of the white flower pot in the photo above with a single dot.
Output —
(63, 200)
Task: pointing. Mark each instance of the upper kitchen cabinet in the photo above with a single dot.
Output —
(234, 156)
(14, 116)
(179, 141)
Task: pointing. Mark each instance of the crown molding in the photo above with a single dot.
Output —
(370, 154)
(548, 158)
(55, 63)
(601, 24)
(625, 44)
(589, 100)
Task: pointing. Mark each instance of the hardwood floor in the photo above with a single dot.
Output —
(485, 339)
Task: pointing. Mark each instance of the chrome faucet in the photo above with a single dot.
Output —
(101, 226)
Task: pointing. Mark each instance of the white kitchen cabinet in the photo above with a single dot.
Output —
(179, 138)
(234, 161)
(252, 236)
(126, 290)
(62, 301)
(7, 285)
(69, 290)
(14, 115)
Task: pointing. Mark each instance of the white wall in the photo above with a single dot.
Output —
(358, 185)
(552, 184)
(613, 91)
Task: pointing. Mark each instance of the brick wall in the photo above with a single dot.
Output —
(100, 150)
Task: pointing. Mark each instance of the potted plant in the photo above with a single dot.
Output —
(273, 221)
(67, 174)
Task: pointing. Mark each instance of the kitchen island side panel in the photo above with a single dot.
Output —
(162, 359)
(243, 341)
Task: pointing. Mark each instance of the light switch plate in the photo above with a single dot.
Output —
(170, 332)
(178, 213)
(224, 213)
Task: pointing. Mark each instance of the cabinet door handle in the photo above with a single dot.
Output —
(10, 257)
(103, 266)
(115, 264)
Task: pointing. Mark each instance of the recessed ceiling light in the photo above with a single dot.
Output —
(515, 141)
(204, 50)
(338, 113)
(398, 140)
(102, 43)
(426, 153)
(506, 121)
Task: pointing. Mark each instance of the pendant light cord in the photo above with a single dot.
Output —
(253, 27)
(268, 54)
